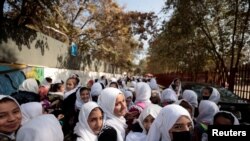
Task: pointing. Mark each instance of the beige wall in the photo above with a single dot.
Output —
(45, 51)
(34, 56)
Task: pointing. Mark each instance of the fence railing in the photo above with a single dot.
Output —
(241, 87)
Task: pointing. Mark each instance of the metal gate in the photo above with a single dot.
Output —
(242, 81)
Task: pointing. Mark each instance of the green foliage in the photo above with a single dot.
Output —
(100, 28)
(202, 35)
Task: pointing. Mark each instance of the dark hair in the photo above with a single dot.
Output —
(210, 89)
(225, 115)
(94, 98)
(176, 79)
(48, 79)
(108, 133)
(116, 84)
(99, 109)
(173, 86)
(56, 113)
(186, 105)
(38, 82)
(55, 87)
(83, 89)
(6, 99)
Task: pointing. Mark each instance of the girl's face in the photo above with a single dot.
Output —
(206, 92)
(113, 85)
(95, 120)
(222, 121)
(120, 106)
(128, 99)
(85, 96)
(70, 84)
(147, 122)
(61, 88)
(177, 82)
(10, 117)
(182, 124)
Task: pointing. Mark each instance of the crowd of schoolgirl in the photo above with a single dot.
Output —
(109, 109)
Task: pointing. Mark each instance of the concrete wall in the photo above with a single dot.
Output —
(37, 49)
(43, 51)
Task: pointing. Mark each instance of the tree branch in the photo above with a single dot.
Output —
(245, 26)
(233, 37)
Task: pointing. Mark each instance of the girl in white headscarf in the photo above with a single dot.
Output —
(172, 123)
(112, 102)
(91, 121)
(11, 117)
(145, 120)
(27, 92)
(191, 97)
(68, 105)
(207, 110)
(31, 110)
(210, 93)
(82, 97)
(142, 100)
(153, 84)
(168, 96)
(42, 128)
(129, 99)
(225, 118)
(72, 85)
(96, 91)
(29, 85)
(176, 86)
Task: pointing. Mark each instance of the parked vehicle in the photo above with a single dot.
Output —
(229, 101)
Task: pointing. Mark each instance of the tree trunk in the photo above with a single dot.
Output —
(231, 79)
(1, 9)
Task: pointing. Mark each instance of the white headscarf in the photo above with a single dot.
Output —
(11, 136)
(152, 110)
(168, 95)
(79, 101)
(207, 110)
(142, 93)
(191, 97)
(9, 97)
(42, 128)
(128, 94)
(68, 93)
(179, 88)
(236, 121)
(82, 128)
(29, 85)
(107, 101)
(136, 136)
(96, 89)
(153, 84)
(31, 110)
(215, 96)
(165, 121)
(78, 85)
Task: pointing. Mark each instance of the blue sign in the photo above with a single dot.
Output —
(73, 49)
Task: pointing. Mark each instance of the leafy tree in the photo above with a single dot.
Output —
(221, 28)
(101, 29)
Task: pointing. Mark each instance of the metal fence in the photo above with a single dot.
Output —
(242, 79)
